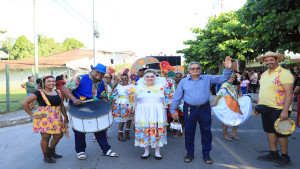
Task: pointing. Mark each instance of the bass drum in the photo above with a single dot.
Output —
(91, 117)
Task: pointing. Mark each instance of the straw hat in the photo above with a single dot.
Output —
(279, 56)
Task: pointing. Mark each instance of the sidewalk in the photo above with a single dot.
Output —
(20, 117)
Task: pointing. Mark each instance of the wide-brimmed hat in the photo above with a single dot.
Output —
(99, 67)
(279, 56)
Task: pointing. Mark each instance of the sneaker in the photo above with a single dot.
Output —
(284, 161)
(272, 156)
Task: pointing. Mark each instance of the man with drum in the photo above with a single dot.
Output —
(195, 92)
(275, 98)
(89, 86)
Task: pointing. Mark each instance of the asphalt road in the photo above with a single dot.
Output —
(20, 149)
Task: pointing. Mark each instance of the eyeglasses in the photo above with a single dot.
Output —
(195, 68)
(149, 77)
(107, 77)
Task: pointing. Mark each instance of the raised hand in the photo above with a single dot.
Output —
(227, 62)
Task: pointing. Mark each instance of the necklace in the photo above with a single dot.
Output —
(151, 87)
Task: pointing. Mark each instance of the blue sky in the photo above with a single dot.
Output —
(144, 27)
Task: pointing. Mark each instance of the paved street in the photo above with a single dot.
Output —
(20, 149)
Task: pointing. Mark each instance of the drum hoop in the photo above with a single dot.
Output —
(292, 129)
(90, 118)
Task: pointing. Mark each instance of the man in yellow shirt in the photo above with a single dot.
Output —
(275, 98)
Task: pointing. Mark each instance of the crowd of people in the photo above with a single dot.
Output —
(151, 102)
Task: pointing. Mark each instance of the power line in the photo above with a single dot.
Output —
(70, 6)
(68, 11)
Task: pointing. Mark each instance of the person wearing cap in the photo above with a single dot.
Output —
(89, 85)
(275, 98)
(194, 90)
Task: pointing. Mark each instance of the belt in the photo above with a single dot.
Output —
(200, 106)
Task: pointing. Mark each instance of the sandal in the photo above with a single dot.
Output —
(234, 137)
(227, 138)
(110, 153)
(81, 156)
(208, 160)
(188, 158)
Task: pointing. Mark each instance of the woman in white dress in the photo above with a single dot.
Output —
(150, 114)
(231, 110)
(122, 106)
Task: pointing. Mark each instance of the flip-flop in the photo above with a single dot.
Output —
(228, 138)
(234, 137)
(188, 158)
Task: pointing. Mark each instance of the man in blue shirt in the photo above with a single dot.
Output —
(194, 90)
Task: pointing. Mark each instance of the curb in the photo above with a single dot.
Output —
(15, 121)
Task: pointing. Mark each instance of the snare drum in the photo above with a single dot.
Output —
(91, 117)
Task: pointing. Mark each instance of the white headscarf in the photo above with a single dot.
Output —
(158, 80)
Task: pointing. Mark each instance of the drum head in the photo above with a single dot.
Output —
(90, 109)
(284, 127)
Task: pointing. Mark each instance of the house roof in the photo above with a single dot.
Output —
(56, 60)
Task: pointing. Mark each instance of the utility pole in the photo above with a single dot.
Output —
(94, 49)
(36, 54)
(222, 6)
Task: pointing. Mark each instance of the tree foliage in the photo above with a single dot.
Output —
(71, 43)
(222, 36)
(273, 24)
(47, 46)
(8, 44)
(23, 48)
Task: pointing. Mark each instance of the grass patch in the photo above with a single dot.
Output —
(17, 94)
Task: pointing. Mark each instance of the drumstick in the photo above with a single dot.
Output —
(91, 100)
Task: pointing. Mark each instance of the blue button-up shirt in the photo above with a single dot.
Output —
(196, 92)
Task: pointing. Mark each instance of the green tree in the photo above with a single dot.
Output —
(47, 46)
(23, 48)
(273, 24)
(71, 43)
(222, 36)
(8, 44)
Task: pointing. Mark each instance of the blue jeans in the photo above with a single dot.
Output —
(203, 116)
(80, 143)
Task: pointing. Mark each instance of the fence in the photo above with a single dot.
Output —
(11, 99)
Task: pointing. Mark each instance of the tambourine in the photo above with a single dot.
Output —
(284, 127)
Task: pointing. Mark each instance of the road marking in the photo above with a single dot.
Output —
(236, 156)
(249, 130)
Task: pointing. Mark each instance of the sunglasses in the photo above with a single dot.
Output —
(106, 77)
(149, 77)
(196, 68)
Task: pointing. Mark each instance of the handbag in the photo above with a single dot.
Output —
(175, 125)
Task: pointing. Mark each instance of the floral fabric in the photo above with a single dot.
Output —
(150, 134)
(53, 123)
(122, 106)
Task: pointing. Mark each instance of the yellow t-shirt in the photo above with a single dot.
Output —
(267, 94)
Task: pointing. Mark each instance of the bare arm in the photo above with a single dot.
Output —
(288, 89)
(68, 93)
(26, 107)
(23, 85)
(215, 101)
(297, 90)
